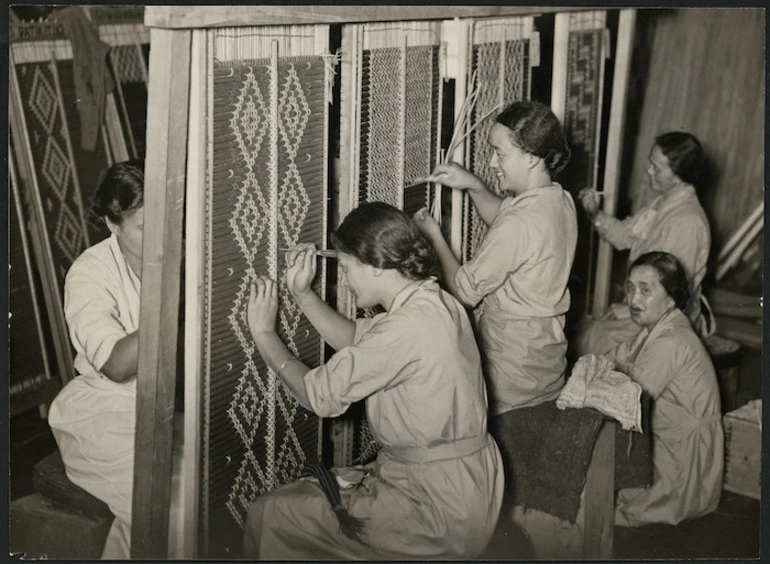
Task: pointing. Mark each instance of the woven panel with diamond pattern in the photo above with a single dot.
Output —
(62, 206)
(256, 436)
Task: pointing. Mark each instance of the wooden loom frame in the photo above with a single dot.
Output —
(175, 30)
(602, 269)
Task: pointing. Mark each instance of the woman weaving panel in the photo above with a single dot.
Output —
(436, 487)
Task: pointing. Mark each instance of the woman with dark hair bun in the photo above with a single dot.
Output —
(674, 222)
(668, 360)
(93, 418)
(436, 486)
(517, 281)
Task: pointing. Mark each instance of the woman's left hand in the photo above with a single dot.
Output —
(263, 306)
(427, 224)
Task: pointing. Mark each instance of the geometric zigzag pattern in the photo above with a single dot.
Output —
(486, 63)
(251, 423)
(397, 128)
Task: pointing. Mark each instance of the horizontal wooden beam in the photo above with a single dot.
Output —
(174, 17)
(746, 332)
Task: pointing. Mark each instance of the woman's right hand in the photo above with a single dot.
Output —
(455, 176)
(301, 269)
(427, 224)
(589, 201)
(619, 311)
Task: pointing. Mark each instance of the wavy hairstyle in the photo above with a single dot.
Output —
(536, 130)
(685, 157)
(382, 236)
(671, 273)
(119, 193)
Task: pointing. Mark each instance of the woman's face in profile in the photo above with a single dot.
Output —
(130, 233)
(509, 163)
(358, 279)
(646, 297)
(662, 177)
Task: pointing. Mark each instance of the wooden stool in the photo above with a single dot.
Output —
(59, 520)
(726, 356)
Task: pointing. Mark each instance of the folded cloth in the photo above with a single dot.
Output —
(594, 383)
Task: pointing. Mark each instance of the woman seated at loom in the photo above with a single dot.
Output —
(674, 222)
(436, 487)
(517, 281)
(93, 418)
(668, 360)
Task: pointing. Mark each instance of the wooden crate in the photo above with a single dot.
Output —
(743, 450)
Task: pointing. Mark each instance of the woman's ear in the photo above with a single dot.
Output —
(376, 271)
(532, 161)
(111, 226)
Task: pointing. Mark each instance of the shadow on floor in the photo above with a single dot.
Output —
(732, 531)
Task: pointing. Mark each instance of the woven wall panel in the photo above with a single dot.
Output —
(256, 436)
(62, 206)
(131, 92)
(398, 129)
(381, 126)
(585, 60)
(485, 62)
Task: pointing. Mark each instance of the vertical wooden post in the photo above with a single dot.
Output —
(350, 100)
(559, 75)
(198, 167)
(456, 34)
(614, 154)
(159, 306)
(599, 497)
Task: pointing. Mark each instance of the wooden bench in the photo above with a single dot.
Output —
(591, 536)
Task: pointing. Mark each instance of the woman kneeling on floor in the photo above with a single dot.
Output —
(436, 487)
(669, 361)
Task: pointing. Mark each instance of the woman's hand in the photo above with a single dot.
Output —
(590, 201)
(455, 176)
(427, 224)
(301, 269)
(263, 307)
(619, 311)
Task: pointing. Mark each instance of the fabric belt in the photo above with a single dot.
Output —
(443, 451)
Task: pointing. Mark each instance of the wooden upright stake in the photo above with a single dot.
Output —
(456, 34)
(614, 154)
(199, 164)
(599, 496)
(559, 75)
(159, 306)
